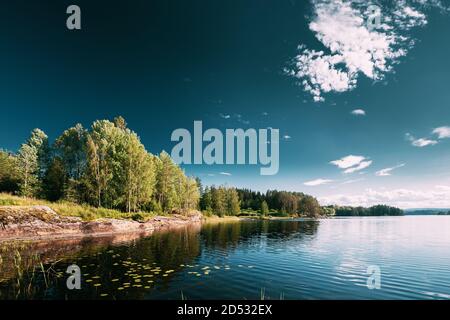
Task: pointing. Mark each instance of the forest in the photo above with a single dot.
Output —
(107, 166)
(378, 210)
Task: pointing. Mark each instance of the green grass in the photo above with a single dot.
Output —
(255, 214)
(66, 208)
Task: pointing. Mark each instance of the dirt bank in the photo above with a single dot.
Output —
(41, 222)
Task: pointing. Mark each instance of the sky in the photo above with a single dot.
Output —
(362, 104)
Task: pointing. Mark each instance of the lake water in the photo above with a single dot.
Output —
(293, 259)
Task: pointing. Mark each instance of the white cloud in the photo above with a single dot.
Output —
(350, 181)
(420, 143)
(348, 161)
(387, 171)
(317, 182)
(352, 163)
(359, 112)
(361, 166)
(442, 132)
(225, 173)
(225, 116)
(352, 48)
(287, 137)
(437, 197)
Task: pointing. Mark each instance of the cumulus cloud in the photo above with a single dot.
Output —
(351, 46)
(436, 197)
(224, 116)
(348, 161)
(317, 182)
(442, 132)
(358, 112)
(388, 171)
(352, 163)
(420, 143)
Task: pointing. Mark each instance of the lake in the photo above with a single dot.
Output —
(282, 259)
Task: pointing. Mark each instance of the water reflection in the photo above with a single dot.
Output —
(287, 259)
(37, 269)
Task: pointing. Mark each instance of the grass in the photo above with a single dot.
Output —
(65, 208)
(249, 213)
(214, 218)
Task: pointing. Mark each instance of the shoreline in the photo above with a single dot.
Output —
(40, 222)
(43, 223)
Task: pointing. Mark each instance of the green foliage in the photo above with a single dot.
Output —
(264, 209)
(28, 170)
(54, 180)
(310, 207)
(283, 203)
(233, 203)
(221, 201)
(329, 211)
(9, 173)
(378, 210)
(106, 166)
(71, 148)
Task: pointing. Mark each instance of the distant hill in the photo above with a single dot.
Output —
(427, 212)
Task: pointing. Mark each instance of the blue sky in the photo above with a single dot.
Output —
(301, 66)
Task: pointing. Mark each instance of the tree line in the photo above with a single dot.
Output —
(107, 166)
(272, 202)
(378, 210)
(104, 166)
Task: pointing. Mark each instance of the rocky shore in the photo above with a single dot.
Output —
(41, 222)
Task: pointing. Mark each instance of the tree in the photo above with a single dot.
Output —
(264, 208)
(39, 141)
(33, 161)
(310, 207)
(165, 181)
(120, 122)
(100, 142)
(54, 180)
(206, 201)
(329, 211)
(233, 203)
(219, 204)
(9, 173)
(28, 170)
(71, 148)
(192, 194)
(137, 171)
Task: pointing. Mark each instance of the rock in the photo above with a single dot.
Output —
(18, 222)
